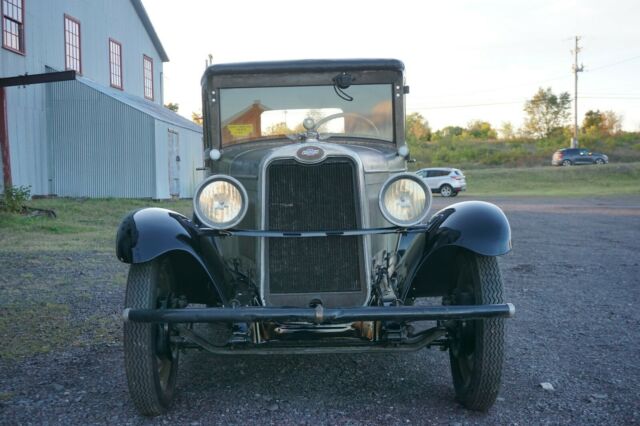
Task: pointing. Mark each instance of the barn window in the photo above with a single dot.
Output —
(115, 63)
(72, 54)
(147, 71)
(13, 25)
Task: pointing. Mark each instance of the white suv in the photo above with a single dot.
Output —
(446, 181)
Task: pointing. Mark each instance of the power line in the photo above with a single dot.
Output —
(464, 106)
(613, 97)
(613, 64)
(496, 89)
(523, 101)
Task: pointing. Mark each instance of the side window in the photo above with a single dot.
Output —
(442, 173)
(72, 43)
(13, 25)
(147, 76)
(115, 64)
(583, 152)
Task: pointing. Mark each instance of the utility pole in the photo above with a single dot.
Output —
(576, 70)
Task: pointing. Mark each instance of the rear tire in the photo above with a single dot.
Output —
(566, 163)
(151, 361)
(446, 190)
(476, 351)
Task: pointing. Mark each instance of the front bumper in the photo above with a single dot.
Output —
(319, 314)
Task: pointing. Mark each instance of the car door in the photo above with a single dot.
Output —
(583, 157)
(431, 179)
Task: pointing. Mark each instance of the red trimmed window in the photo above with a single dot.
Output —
(13, 25)
(115, 64)
(72, 54)
(147, 72)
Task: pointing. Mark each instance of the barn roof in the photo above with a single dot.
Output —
(142, 14)
(153, 109)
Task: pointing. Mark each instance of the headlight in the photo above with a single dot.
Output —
(405, 199)
(220, 202)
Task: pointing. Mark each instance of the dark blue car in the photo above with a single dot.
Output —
(576, 156)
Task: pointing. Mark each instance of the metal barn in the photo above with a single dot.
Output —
(106, 132)
(112, 144)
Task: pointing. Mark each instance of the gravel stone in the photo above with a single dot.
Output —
(574, 328)
(547, 386)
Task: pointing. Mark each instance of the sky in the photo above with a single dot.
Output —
(464, 60)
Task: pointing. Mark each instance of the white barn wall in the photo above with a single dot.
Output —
(44, 41)
(99, 20)
(26, 119)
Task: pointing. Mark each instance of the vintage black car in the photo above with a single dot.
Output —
(309, 236)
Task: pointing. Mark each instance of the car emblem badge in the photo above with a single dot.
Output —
(310, 154)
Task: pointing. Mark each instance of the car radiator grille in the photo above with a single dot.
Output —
(310, 198)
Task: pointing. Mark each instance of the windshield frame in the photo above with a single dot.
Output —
(213, 83)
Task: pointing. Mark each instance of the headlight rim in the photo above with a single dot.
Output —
(243, 195)
(419, 181)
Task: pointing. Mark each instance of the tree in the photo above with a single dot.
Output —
(417, 128)
(507, 131)
(613, 122)
(278, 129)
(449, 132)
(172, 106)
(478, 129)
(196, 117)
(593, 122)
(546, 112)
(601, 123)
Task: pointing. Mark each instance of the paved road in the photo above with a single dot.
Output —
(574, 276)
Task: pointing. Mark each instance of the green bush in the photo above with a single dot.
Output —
(520, 152)
(14, 198)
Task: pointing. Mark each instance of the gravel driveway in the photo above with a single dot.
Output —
(574, 276)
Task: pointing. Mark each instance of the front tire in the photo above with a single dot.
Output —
(446, 190)
(151, 360)
(476, 349)
(599, 161)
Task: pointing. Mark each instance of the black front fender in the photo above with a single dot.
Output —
(149, 233)
(427, 258)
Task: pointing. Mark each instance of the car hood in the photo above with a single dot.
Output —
(245, 161)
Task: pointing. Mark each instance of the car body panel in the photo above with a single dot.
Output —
(436, 177)
(146, 234)
(577, 156)
(476, 226)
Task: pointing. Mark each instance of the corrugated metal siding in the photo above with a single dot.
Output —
(191, 151)
(98, 146)
(44, 35)
(26, 114)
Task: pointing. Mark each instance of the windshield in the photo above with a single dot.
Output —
(263, 113)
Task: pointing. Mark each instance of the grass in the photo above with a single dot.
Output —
(610, 179)
(55, 271)
(29, 330)
(81, 224)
